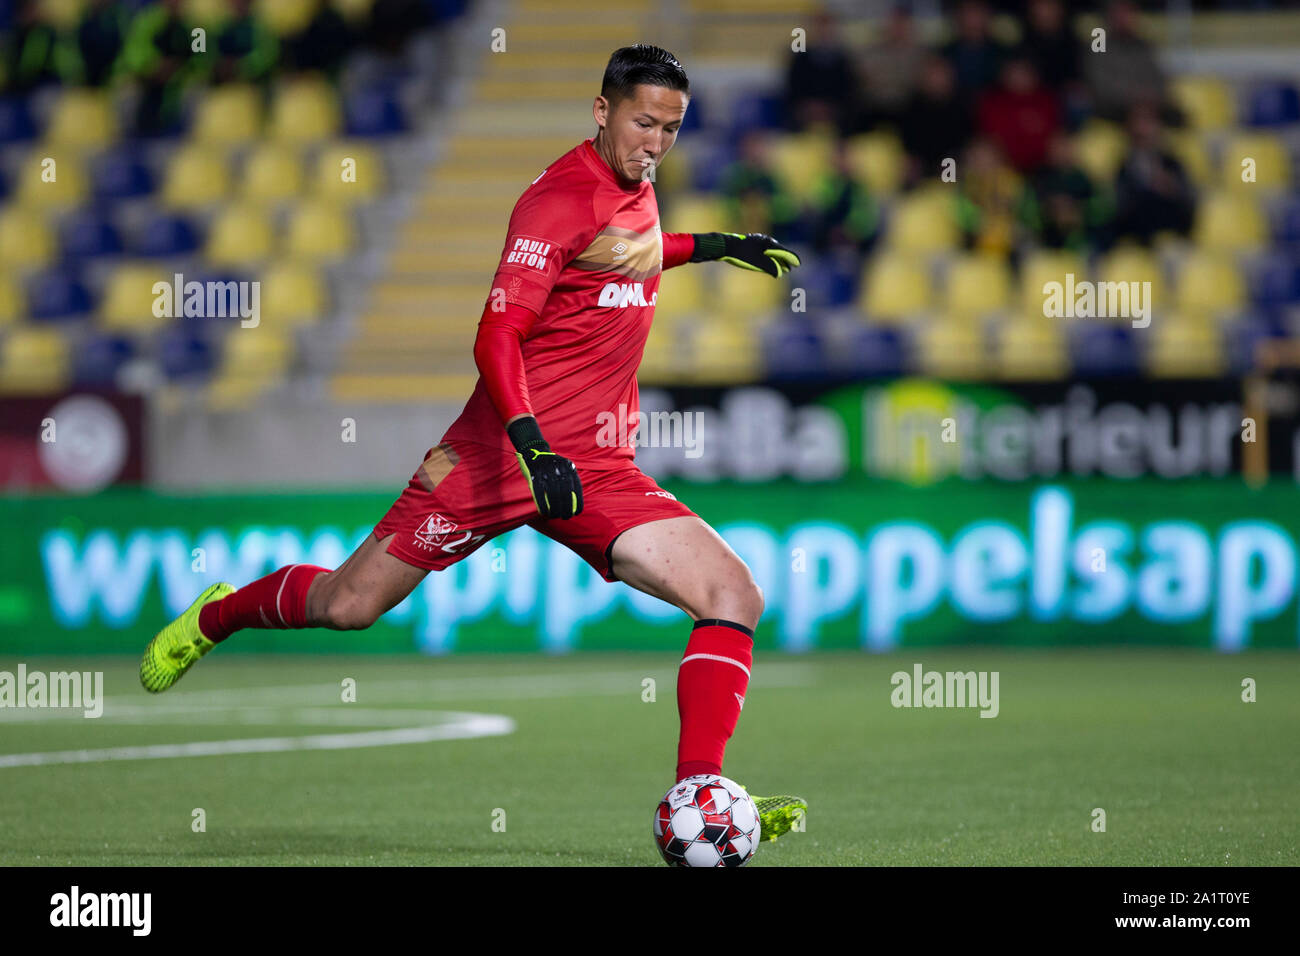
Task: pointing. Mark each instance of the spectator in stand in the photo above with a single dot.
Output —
(1063, 208)
(989, 196)
(247, 51)
(158, 55)
(757, 200)
(974, 54)
(36, 54)
(322, 44)
(394, 22)
(1020, 115)
(820, 86)
(1127, 73)
(845, 217)
(1153, 193)
(936, 124)
(889, 71)
(99, 38)
(1051, 45)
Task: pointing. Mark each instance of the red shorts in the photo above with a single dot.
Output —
(466, 495)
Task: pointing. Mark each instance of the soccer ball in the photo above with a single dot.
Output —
(706, 820)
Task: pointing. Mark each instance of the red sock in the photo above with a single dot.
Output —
(711, 684)
(278, 600)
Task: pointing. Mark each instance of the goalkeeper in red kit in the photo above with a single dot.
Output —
(557, 350)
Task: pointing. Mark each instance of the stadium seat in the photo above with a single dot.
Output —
(952, 349)
(292, 295)
(228, 115)
(272, 174)
(285, 16)
(1189, 149)
(1286, 222)
(16, 123)
(88, 233)
(373, 112)
(1041, 267)
(1275, 281)
(877, 160)
(1209, 285)
(681, 293)
(742, 294)
(304, 111)
(871, 352)
(1132, 264)
(1208, 102)
(695, 212)
(240, 236)
(800, 160)
(725, 352)
(1272, 162)
(1100, 147)
(1273, 104)
(57, 294)
(33, 361)
(81, 119)
(894, 289)
(99, 359)
(976, 285)
(128, 300)
(793, 349)
(1028, 349)
(120, 174)
(197, 176)
(65, 189)
(1103, 349)
(1229, 222)
(924, 222)
(319, 232)
(366, 175)
(1181, 346)
(164, 234)
(12, 303)
(26, 240)
(256, 353)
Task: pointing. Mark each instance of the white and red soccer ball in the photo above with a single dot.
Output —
(707, 820)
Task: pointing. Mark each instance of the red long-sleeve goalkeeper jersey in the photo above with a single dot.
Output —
(584, 253)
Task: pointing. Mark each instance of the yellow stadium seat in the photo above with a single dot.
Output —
(681, 292)
(952, 350)
(285, 16)
(1207, 100)
(292, 295)
(82, 119)
(26, 240)
(305, 111)
(800, 161)
(1189, 149)
(1229, 223)
(976, 285)
(240, 236)
(319, 232)
(895, 288)
(52, 179)
(12, 303)
(272, 174)
(34, 360)
(1100, 148)
(229, 115)
(1261, 157)
(924, 222)
(128, 302)
(659, 363)
(725, 352)
(256, 352)
(1182, 346)
(349, 172)
(196, 177)
(1031, 350)
(877, 160)
(206, 12)
(695, 212)
(1131, 264)
(1041, 267)
(1209, 284)
(747, 295)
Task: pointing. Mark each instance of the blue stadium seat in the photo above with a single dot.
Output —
(373, 111)
(99, 359)
(87, 233)
(1273, 104)
(16, 124)
(755, 111)
(874, 351)
(1286, 221)
(1275, 281)
(166, 234)
(120, 174)
(185, 354)
(1243, 336)
(1103, 349)
(792, 350)
(57, 293)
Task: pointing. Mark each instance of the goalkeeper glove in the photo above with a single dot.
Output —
(756, 251)
(552, 479)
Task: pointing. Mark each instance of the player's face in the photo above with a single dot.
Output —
(638, 131)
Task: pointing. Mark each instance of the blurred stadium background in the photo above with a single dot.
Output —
(359, 160)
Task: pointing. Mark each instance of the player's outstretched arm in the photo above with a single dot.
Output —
(756, 251)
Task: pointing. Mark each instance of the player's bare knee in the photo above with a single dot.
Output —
(734, 597)
(347, 610)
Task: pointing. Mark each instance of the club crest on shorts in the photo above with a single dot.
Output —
(435, 529)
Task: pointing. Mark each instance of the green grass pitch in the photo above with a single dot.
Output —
(1186, 772)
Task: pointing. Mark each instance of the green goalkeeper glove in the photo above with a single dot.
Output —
(552, 479)
(756, 252)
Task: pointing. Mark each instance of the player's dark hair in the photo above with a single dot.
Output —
(631, 66)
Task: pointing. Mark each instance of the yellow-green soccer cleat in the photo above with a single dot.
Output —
(779, 815)
(178, 645)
